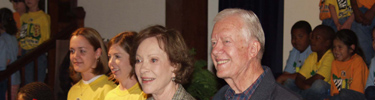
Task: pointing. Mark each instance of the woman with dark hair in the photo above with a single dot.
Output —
(118, 53)
(162, 63)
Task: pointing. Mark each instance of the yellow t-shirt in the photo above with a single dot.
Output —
(35, 29)
(367, 3)
(322, 67)
(351, 74)
(96, 90)
(324, 10)
(343, 8)
(133, 93)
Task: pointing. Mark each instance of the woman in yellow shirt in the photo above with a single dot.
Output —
(119, 64)
(89, 58)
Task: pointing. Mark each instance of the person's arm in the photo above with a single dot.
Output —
(360, 73)
(283, 77)
(369, 15)
(348, 22)
(358, 15)
(334, 17)
(300, 82)
(312, 79)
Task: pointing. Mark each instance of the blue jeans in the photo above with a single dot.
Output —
(347, 94)
(329, 22)
(369, 93)
(317, 91)
(29, 68)
(364, 34)
(3, 89)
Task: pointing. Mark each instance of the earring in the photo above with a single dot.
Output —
(173, 78)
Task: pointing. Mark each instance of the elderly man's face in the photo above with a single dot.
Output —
(230, 51)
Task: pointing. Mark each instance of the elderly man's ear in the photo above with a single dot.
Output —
(254, 48)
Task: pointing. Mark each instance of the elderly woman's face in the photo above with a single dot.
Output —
(153, 67)
(230, 51)
(82, 54)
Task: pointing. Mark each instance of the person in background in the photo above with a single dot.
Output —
(162, 63)
(370, 84)
(119, 63)
(89, 58)
(8, 30)
(313, 80)
(349, 70)
(237, 48)
(364, 12)
(35, 29)
(301, 50)
(36, 91)
(325, 15)
(20, 7)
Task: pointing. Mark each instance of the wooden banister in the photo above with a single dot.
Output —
(35, 53)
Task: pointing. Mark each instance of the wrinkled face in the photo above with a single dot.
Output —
(373, 39)
(153, 68)
(230, 52)
(300, 39)
(82, 54)
(341, 51)
(119, 62)
(32, 3)
(318, 42)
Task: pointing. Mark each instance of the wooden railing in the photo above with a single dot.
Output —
(48, 46)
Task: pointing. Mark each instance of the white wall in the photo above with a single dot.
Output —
(213, 9)
(295, 10)
(6, 4)
(110, 17)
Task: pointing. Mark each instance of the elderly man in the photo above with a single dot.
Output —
(237, 48)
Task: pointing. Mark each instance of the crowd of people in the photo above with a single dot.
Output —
(332, 61)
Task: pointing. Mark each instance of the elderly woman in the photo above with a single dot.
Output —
(162, 63)
(119, 63)
(89, 58)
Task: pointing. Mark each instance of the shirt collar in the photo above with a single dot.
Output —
(230, 93)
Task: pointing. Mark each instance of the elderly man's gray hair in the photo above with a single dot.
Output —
(253, 27)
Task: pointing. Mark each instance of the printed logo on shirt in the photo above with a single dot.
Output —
(341, 83)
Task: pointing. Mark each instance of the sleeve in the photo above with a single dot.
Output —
(307, 66)
(325, 67)
(360, 73)
(289, 63)
(3, 59)
(370, 79)
(333, 2)
(45, 28)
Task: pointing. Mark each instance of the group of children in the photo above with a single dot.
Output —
(21, 32)
(328, 65)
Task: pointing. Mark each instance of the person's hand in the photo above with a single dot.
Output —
(359, 17)
(338, 26)
(346, 25)
(368, 16)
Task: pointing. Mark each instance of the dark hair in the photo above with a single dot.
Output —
(36, 90)
(302, 25)
(327, 31)
(348, 37)
(17, 0)
(125, 40)
(94, 38)
(7, 22)
(175, 47)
